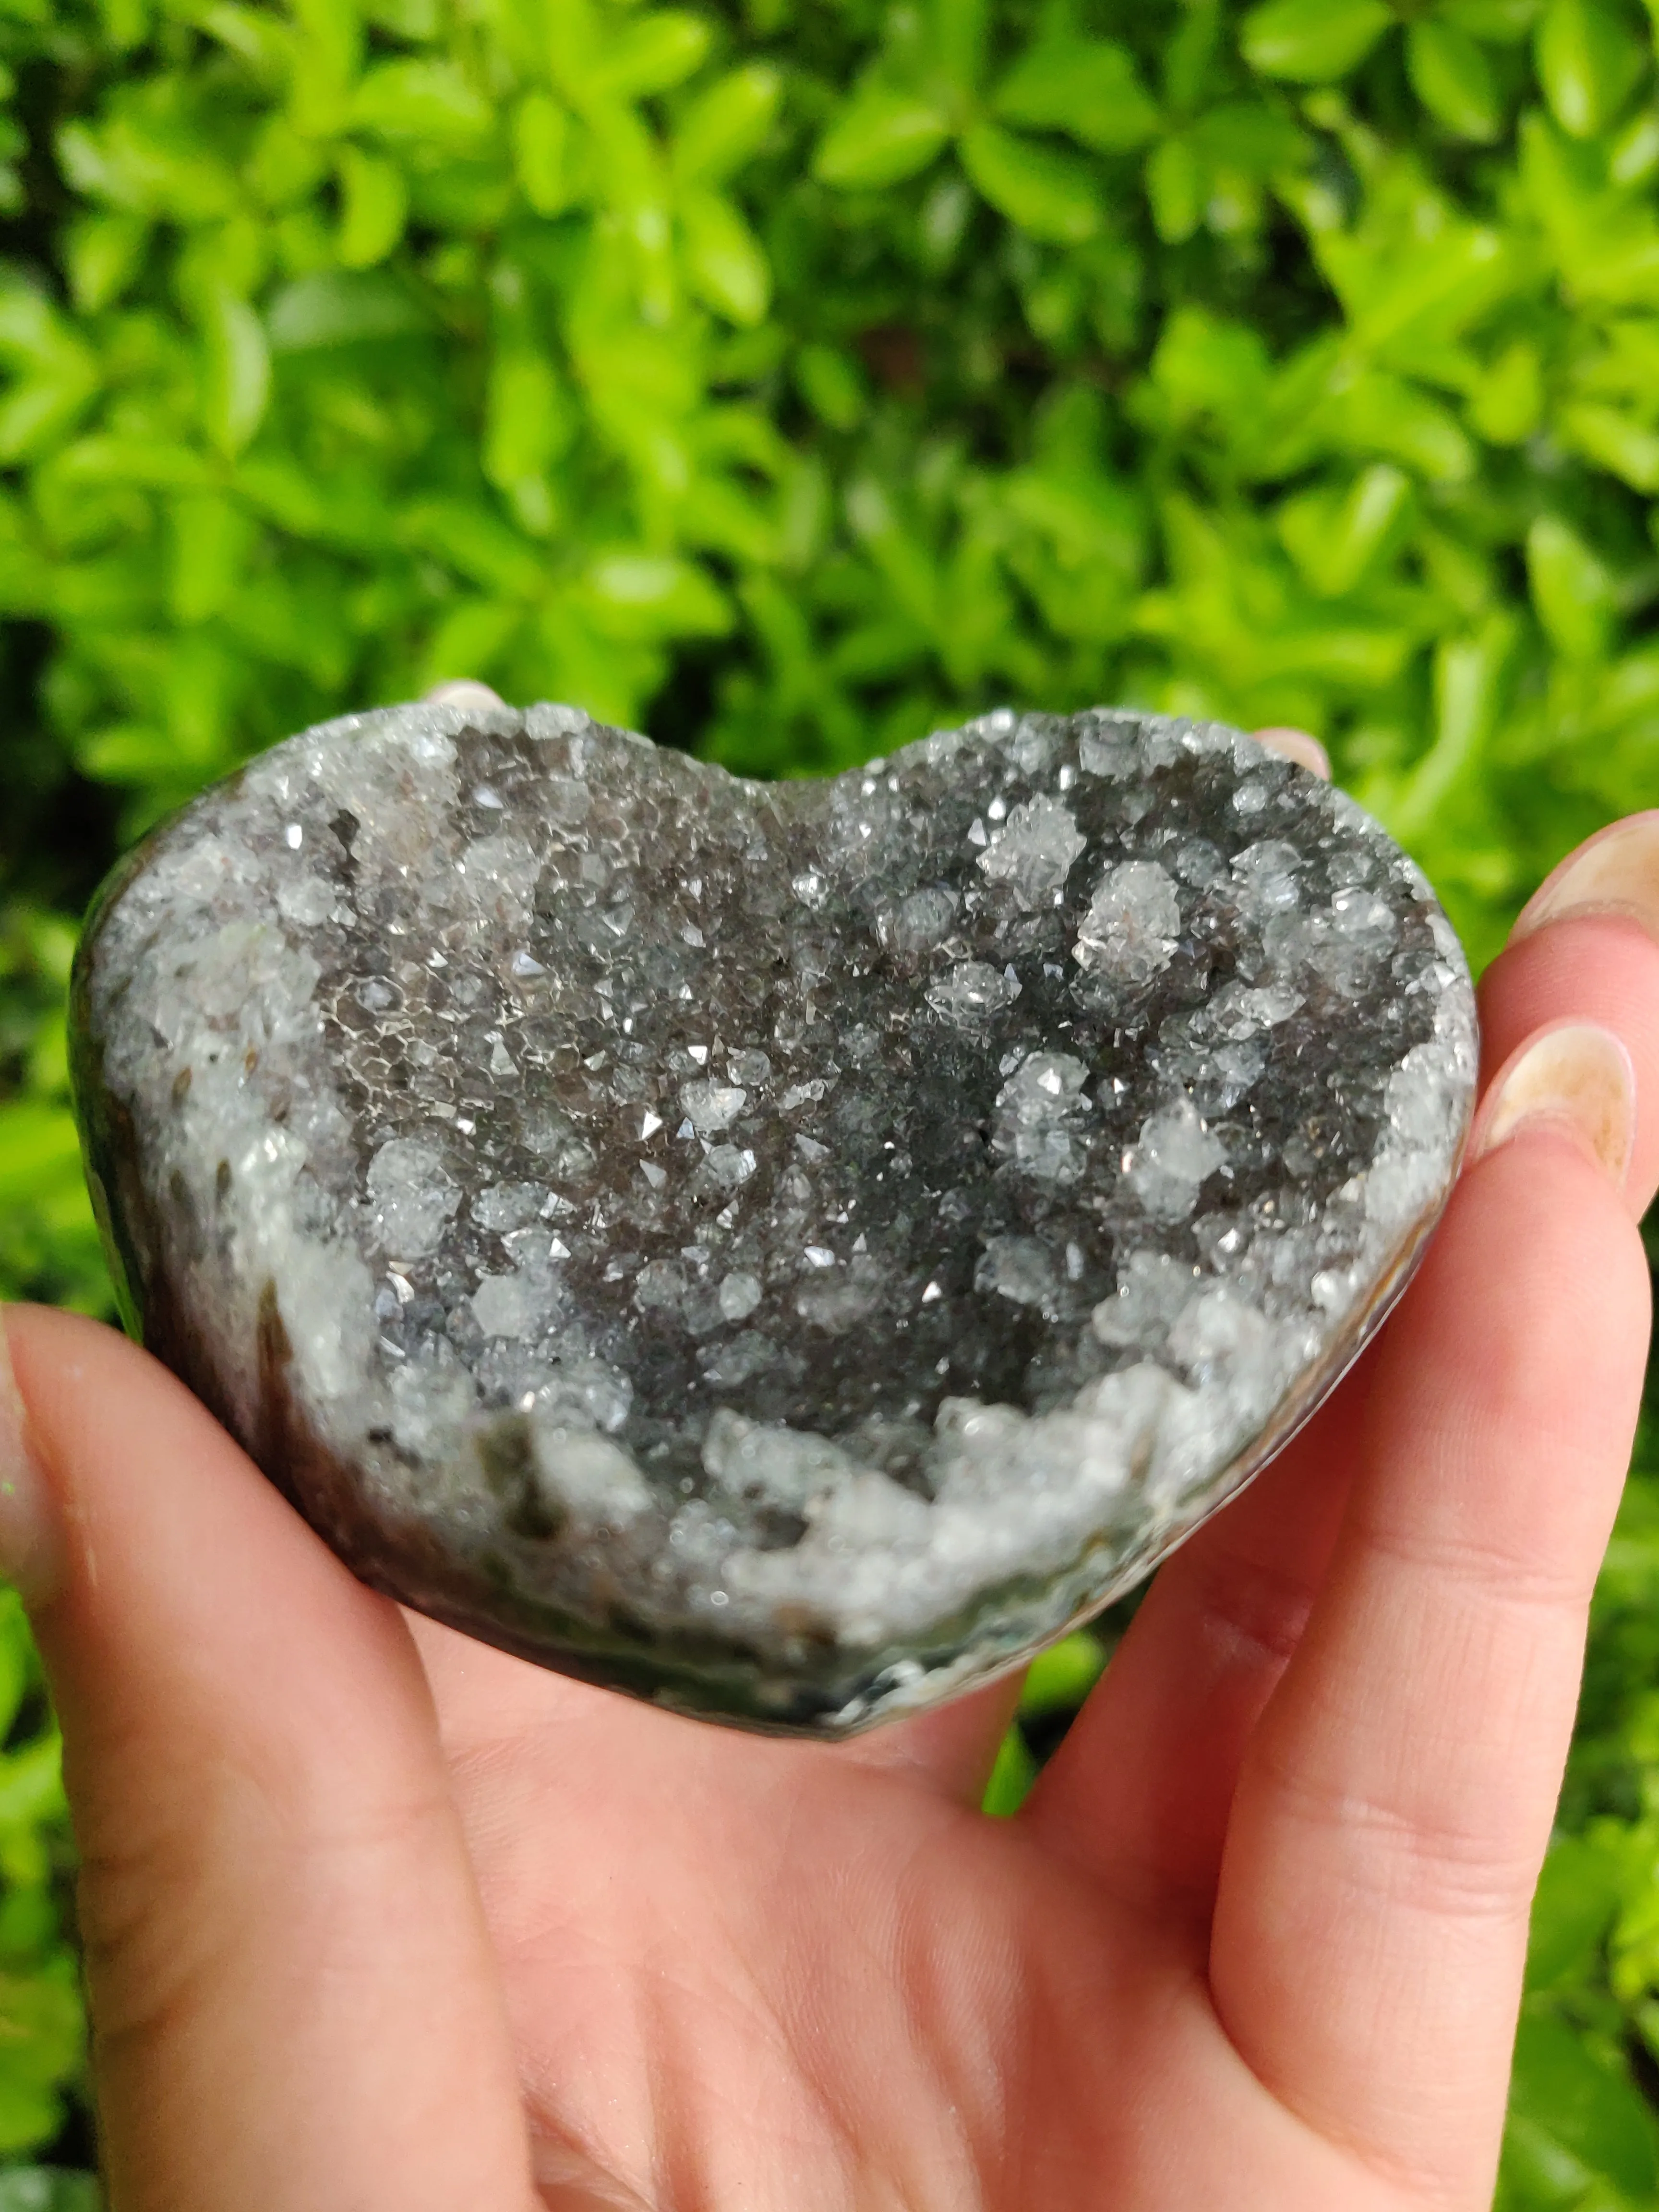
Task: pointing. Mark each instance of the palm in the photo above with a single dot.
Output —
(864, 1992)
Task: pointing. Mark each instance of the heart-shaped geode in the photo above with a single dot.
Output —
(785, 1250)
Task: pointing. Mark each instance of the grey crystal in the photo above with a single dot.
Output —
(788, 1251)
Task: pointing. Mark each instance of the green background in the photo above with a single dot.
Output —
(789, 377)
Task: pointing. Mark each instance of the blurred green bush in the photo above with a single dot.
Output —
(790, 380)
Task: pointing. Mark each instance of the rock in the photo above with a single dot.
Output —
(785, 1250)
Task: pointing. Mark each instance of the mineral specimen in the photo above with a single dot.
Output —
(785, 1250)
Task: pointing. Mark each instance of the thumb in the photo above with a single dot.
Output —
(292, 1998)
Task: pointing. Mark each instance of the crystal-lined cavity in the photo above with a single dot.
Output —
(784, 1250)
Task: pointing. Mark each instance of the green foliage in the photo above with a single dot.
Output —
(791, 381)
(1058, 1681)
(48, 2188)
(42, 2030)
(1583, 2131)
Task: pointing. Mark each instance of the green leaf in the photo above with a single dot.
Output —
(1191, 60)
(374, 204)
(543, 153)
(35, 415)
(1587, 2113)
(426, 102)
(37, 1143)
(1311, 41)
(1387, 415)
(1208, 365)
(1469, 677)
(266, 45)
(651, 54)
(1250, 134)
(832, 387)
(236, 384)
(416, 20)
(1578, 1897)
(159, 462)
(880, 137)
(1453, 78)
(60, 377)
(1507, 402)
(211, 537)
(472, 641)
(644, 595)
(958, 34)
(1088, 88)
(471, 538)
(727, 125)
(1588, 61)
(1011, 1777)
(1401, 306)
(1062, 1677)
(1571, 590)
(285, 168)
(105, 254)
(31, 330)
(32, 1783)
(1634, 154)
(48, 2188)
(1334, 537)
(724, 259)
(340, 307)
(325, 58)
(43, 2031)
(1497, 23)
(1614, 440)
(127, 22)
(1178, 181)
(14, 1660)
(529, 419)
(1048, 193)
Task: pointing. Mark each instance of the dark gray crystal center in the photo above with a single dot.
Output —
(786, 1250)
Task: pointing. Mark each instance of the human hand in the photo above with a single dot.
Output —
(376, 1917)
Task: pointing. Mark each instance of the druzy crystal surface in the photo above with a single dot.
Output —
(787, 1251)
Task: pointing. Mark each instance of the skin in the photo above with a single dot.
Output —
(376, 1917)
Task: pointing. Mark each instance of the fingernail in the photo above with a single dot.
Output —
(1577, 1077)
(1297, 745)
(1616, 872)
(29, 1549)
(463, 692)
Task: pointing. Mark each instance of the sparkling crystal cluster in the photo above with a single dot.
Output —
(786, 1250)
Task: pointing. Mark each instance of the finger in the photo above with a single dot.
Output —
(1140, 1791)
(462, 691)
(293, 2003)
(1614, 871)
(1297, 745)
(1587, 947)
(1395, 1798)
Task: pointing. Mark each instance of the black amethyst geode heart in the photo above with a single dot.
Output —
(785, 1250)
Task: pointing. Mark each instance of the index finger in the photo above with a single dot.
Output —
(294, 2001)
